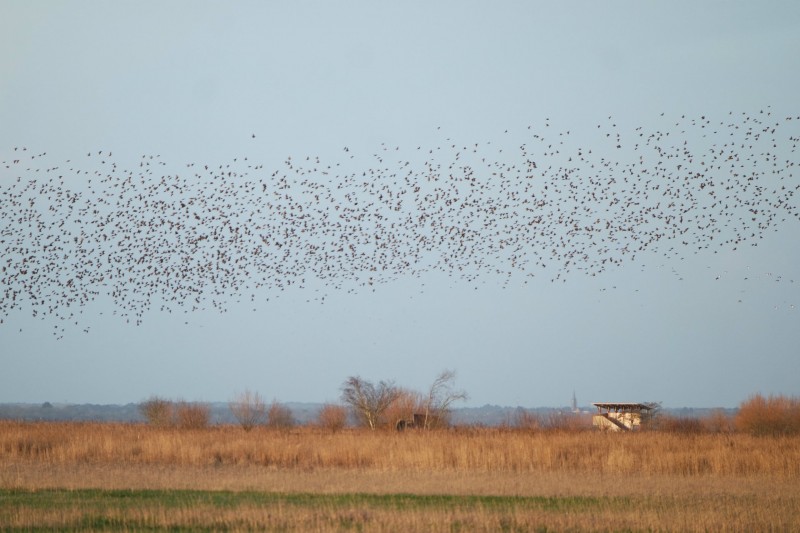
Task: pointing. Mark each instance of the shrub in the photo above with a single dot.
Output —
(718, 422)
(403, 407)
(551, 421)
(192, 415)
(160, 412)
(332, 417)
(525, 419)
(567, 421)
(157, 411)
(279, 416)
(249, 409)
(773, 415)
(679, 424)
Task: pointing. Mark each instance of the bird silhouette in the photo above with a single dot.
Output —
(206, 235)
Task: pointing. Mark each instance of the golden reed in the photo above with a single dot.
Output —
(468, 449)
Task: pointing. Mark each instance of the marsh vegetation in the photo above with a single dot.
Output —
(136, 476)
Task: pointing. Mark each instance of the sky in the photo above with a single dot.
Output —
(685, 112)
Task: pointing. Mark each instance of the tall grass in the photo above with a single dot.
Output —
(475, 450)
(573, 480)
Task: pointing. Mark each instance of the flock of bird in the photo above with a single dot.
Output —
(536, 203)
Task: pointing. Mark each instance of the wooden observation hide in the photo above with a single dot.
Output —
(620, 416)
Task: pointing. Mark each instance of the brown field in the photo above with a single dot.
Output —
(592, 481)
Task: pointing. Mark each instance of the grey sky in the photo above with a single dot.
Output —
(192, 82)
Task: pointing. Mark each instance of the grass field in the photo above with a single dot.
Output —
(132, 477)
(95, 509)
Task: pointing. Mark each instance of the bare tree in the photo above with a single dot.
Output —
(249, 409)
(441, 396)
(367, 400)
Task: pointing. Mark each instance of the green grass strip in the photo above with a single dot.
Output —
(123, 499)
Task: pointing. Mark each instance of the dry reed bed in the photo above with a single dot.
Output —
(652, 481)
(463, 450)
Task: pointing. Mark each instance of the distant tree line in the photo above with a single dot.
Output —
(384, 405)
(366, 404)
